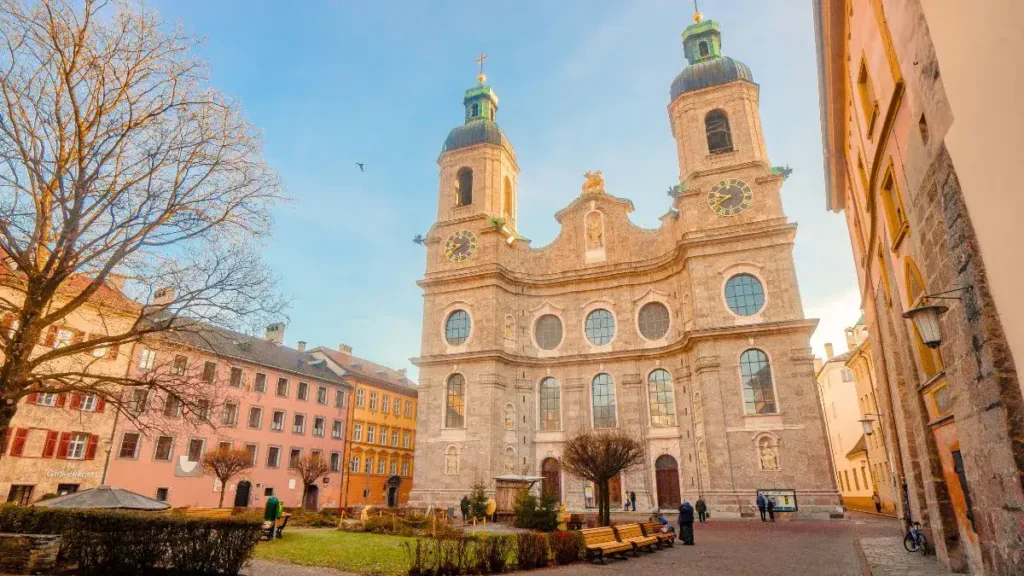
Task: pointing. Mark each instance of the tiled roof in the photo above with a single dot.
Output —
(366, 370)
(860, 446)
(232, 344)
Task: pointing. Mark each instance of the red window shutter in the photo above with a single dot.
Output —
(62, 399)
(51, 444)
(76, 401)
(112, 352)
(3, 440)
(33, 398)
(51, 336)
(62, 446)
(78, 336)
(101, 404)
(90, 449)
(19, 442)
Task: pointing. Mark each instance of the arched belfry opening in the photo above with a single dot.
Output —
(464, 187)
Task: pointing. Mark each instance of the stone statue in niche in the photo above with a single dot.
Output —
(595, 233)
(510, 460)
(769, 455)
(451, 461)
(510, 327)
(510, 417)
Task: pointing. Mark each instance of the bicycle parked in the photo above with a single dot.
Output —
(915, 540)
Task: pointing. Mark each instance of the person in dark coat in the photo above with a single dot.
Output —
(702, 510)
(632, 500)
(770, 506)
(686, 523)
(762, 506)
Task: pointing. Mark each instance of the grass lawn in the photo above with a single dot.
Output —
(349, 551)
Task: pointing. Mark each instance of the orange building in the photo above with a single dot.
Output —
(381, 430)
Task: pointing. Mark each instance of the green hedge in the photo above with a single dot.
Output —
(492, 553)
(115, 543)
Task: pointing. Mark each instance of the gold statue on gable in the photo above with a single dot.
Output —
(594, 183)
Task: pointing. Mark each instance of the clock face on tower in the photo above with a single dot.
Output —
(460, 246)
(730, 197)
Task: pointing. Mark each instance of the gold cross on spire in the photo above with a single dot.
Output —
(480, 60)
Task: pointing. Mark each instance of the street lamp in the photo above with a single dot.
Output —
(868, 425)
(926, 316)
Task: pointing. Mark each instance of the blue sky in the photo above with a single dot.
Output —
(583, 86)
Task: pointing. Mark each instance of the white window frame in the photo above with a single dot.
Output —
(277, 460)
(322, 426)
(299, 429)
(284, 421)
(147, 359)
(337, 429)
(357, 432)
(79, 442)
(321, 391)
(248, 419)
(335, 462)
(170, 450)
(202, 449)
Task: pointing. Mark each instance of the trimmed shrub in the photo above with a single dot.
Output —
(114, 543)
(531, 551)
(530, 515)
(493, 553)
(567, 546)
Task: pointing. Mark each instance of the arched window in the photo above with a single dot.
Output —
(455, 402)
(663, 406)
(603, 393)
(476, 110)
(507, 200)
(703, 48)
(931, 360)
(716, 124)
(464, 187)
(550, 404)
(758, 391)
(457, 327)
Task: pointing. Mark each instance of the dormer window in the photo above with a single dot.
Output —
(703, 49)
(716, 125)
(464, 187)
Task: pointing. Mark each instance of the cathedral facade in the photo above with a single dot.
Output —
(690, 336)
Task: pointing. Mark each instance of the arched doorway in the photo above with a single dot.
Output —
(312, 498)
(551, 470)
(391, 489)
(242, 494)
(666, 473)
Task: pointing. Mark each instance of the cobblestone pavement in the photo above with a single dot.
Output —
(827, 548)
(886, 556)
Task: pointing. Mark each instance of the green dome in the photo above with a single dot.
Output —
(710, 72)
(476, 132)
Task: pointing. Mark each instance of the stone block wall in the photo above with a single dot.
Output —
(28, 553)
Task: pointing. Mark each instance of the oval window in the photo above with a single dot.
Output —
(456, 328)
(744, 295)
(548, 331)
(600, 327)
(653, 320)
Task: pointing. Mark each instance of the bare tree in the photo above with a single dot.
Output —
(598, 456)
(122, 173)
(225, 464)
(309, 468)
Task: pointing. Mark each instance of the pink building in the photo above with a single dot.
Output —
(279, 403)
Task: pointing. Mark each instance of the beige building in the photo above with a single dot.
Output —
(59, 443)
(922, 130)
(691, 335)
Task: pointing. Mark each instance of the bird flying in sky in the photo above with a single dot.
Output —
(361, 166)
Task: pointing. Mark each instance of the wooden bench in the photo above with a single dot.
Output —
(601, 542)
(631, 534)
(654, 529)
(268, 527)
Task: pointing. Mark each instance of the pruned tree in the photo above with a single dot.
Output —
(131, 192)
(309, 468)
(224, 464)
(598, 456)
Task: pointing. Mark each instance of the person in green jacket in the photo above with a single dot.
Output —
(271, 513)
(702, 510)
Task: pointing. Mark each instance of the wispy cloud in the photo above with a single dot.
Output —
(835, 312)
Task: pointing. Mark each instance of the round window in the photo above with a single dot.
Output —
(456, 328)
(653, 320)
(744, 294)
(548, 332)
(600, 327)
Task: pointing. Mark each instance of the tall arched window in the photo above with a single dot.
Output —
(476, 110)
(703, 48)
(603, 394)
(663, 406)
(550, 404)
(464, 187)
(716, 124)
(758, 391)
(931, 360)
(507, 200)
(455, 402)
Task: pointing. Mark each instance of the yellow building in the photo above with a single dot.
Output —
(381, 434)
(59, 439)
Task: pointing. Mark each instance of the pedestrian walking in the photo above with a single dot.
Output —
(770, 505)
(762, 506)
(878, 502)
(686, 523)
(632, 500)
(702, 509)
